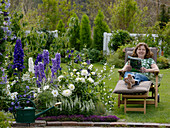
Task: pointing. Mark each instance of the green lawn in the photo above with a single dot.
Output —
(161, 114)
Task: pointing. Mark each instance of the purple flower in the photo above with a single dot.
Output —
(72, 51)
(41, 71)
(58, 59)
(88, 62)
(18, 56)
(45, 57)
(36, 71)
(67, 51)
(39, 59)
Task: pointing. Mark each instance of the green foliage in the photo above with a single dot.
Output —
(73, 32)
(120, 37)
(95, 55)
(85, 32)
(126, 15)
(163, 63)
(163, 17)
(118, 58)
(61, 28)
(99, 28)
(5, 120)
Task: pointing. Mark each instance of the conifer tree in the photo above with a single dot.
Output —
(73, 31)
(61, 28)
(100, 26)
(85, 32)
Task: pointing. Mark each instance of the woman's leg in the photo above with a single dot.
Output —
(139, 77)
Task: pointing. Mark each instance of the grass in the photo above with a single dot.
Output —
(161, 114)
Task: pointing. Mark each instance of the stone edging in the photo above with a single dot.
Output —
(39, 123)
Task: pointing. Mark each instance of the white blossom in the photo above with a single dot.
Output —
(60, 77)
(90, 80)
(84, 72)
(46, 87)
(74, 70)
(67, 92)
(55, 93)
(71, 86)
(93, 73)
(90, 67)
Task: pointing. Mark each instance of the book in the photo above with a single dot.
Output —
(135, 63)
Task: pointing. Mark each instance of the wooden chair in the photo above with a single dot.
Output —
(141, 91)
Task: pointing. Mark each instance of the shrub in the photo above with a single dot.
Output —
(85, 32)
(163, 62)
(60, 28)
(5, 120)
(120, 37)
(99, 28)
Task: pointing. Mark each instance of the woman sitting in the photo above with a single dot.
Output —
(143, 52)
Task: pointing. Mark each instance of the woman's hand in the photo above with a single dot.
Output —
(143, 70)
(127, 68)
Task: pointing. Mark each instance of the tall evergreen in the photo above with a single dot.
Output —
(100, 26)
(85, 32)
(73, 31)
(163, 17)
(61, 28)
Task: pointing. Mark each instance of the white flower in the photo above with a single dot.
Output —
(46, 87)
(71, 73)
(78, 73)
(71, 86)
(30, 65)
(38, 90)
(84, 63)
(84, 72)
(105, 64)
(35, 94)
(82, 80)
(14, 95)
(55, 93)
(96, 83)
(67, 92)
(90, 80)
(74, 70)
(90, 67)
(101, 71)
(60, 77)
(104, 67)
(26, 77)
(93, 73)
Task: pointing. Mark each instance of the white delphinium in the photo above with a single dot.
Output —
(71, 86)
(30, 65)
(84, 72)
(90, 80)
(67, 93)
(60, 77)
(55, 93)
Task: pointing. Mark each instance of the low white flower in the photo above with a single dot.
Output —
(96, 83)
(71, 73)
(67, 92)
(60, 77)
(46, 87)
(90, 80)
(55, 93)
(82, 80)
(84, 63)
(78, 73)
(84, 72)
(101, 71)
(104, 67)
(74, 70)
(26, 77)
(35, 94)
(90, 67)
(39, 90)
(105, 64)
(71, 86)
(93, 73)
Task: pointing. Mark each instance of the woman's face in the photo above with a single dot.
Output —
(141, 52)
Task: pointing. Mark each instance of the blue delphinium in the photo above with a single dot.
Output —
(18, 56)
(38, 59)
(41, 71)
(45, 57)
(54, 67)
(58, 59)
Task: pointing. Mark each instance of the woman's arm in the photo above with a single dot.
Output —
(153, 67)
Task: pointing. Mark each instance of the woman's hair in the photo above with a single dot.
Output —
(148, 54)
